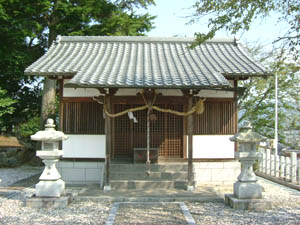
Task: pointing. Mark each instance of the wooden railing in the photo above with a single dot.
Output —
(284, 168)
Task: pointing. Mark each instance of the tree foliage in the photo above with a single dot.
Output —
(258, 103)
(235, 16)
(6, 105)
(28, 28)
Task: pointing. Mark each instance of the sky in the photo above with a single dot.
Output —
(172, 19)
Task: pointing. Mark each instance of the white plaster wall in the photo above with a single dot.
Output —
(177, 92)
(80, 92)
(127, 92)
(215, 94)
(213, 147)
(84, 146)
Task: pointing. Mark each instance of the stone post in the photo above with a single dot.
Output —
(282, 166)
(292, 170)
(287, 168)
(293, 167)
(247, 192)
(298, 171)
(50, 184)
(277, 166)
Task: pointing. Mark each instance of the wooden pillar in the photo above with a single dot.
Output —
(61, 93)
(61, 109)
(190, 129)
(107, 144)
(236, 113)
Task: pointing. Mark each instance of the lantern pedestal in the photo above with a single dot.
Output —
(247, 193)
(50, 188)
(50, 184)
(50, 191)
(244, 190)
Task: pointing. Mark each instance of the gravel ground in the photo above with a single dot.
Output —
(150, 213)
(285, 201)
(12, 212)
(9, 176)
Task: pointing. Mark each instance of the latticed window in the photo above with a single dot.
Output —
(83, 118)
(218, 118)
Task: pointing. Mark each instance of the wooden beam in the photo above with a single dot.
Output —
(185, 133)
(61, 93)
(190, 128)
(102, 91)
(236, 113)
(113, 91)
(113, 135)
(107, 144)
(61, 109)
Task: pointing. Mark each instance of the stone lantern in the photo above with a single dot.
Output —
(247, 193)
(50, 184)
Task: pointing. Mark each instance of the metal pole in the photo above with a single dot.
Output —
(276, 115)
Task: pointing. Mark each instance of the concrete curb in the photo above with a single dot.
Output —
(148, 199)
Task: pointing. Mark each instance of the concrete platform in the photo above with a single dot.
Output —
(44, 202)
(247, 204)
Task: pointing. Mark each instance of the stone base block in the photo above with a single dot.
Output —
(107, 188)
(50, 188)
(190, 188)
(44, 202)
(247, 204)
(243, 190)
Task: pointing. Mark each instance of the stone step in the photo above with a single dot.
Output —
(153, 167)
(139, 184)
(143, 176)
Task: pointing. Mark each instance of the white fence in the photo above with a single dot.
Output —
(286, 168)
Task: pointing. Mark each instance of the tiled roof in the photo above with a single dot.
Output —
(145, 62)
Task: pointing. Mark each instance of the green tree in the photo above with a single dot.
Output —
(258, 102)
(29, 27)
(6, 106)
(235, 16)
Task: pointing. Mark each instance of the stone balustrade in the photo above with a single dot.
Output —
(285, 167)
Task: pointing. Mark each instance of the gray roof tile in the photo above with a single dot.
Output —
(145, 62)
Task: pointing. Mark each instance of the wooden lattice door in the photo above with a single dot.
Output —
(166, 132)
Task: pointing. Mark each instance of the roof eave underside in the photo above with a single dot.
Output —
(72, 85)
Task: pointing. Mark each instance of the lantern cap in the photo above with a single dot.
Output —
(246, 134)
(49, 134)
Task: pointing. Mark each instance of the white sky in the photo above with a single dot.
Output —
(172, 21)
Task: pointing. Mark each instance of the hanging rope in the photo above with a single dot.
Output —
(198, 108)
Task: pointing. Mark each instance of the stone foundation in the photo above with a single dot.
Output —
(216, 173)
(211, 173)
(81, 172)
(247, 204)
(40, 202)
